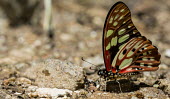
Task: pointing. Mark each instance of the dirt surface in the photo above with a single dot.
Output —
(30, 60)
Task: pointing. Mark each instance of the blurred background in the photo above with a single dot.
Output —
(36, 30)
(69, 30)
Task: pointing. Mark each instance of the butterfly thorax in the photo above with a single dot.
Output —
(109, 75)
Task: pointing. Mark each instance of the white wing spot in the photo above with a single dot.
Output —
(122, 10)
(111, 20)
(120, 32)
(114, 41)
(115, 23)
(108, 47)
(109, 32)
(129, 26)
(121, 17)
(116, 16)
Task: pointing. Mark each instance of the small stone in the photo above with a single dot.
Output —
(81, 45)
(133, 97)
(7, 81)
(23, 80)
(32, 88)
(66, 37)
(17, 93)
(50, 92)
(163, 66)
(33, 95)
(97, 20)
(54, 73)
(156, 85)
(167, 53)
(93, 34)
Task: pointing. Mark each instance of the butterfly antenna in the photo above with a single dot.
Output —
(119, 86)
(91, 64)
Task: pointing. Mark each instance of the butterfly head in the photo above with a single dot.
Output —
(107, 74)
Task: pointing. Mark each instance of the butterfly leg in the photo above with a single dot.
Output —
(90, 85)
(119, 86)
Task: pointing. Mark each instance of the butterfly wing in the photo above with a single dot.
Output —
(118, 30)
(118, 33)
(137, 55)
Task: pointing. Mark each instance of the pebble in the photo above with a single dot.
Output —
(167, 53)
(54, 73)
(23, 80)
(93, 34)
(163, 66)
(50, 92)
(133, 97)
(66, 37)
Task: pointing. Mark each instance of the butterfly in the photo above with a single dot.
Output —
(126, 52)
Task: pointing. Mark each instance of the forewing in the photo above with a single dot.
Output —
(118, 30)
